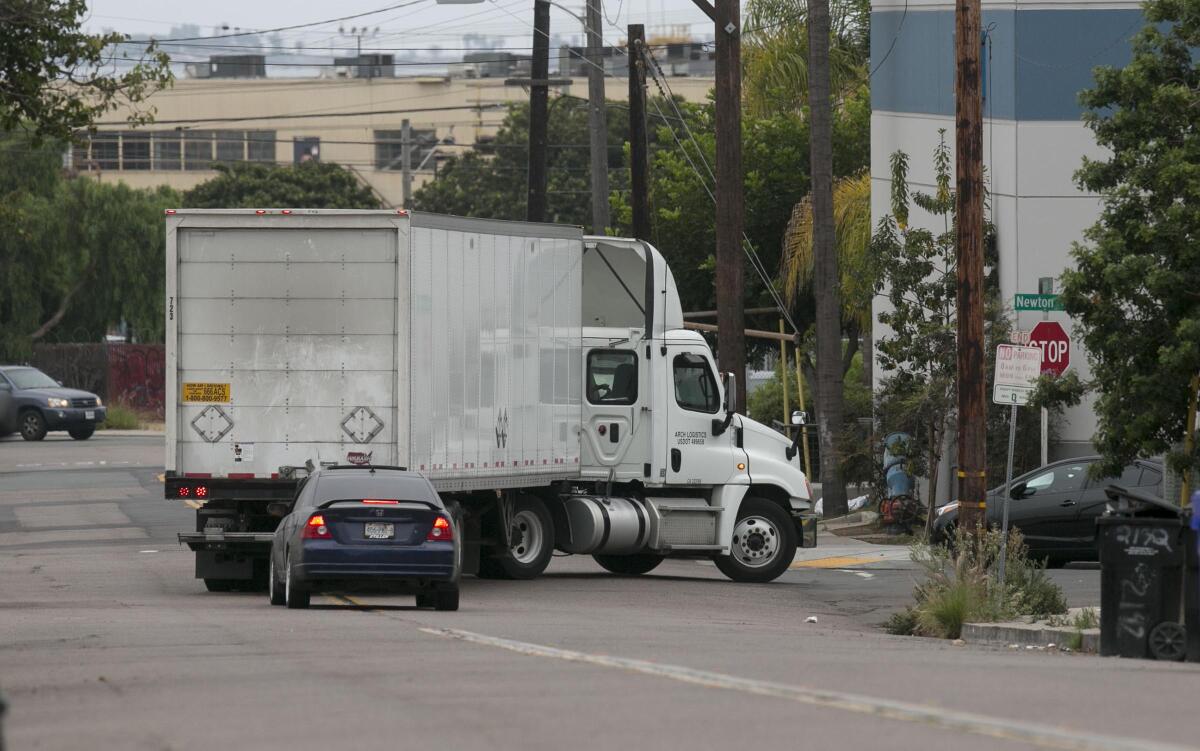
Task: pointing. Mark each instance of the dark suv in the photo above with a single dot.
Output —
(42, 404)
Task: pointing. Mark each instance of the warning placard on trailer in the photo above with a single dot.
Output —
(206, 392)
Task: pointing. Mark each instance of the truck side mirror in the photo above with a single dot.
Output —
(799, 418)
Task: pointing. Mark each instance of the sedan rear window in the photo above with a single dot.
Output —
(339, 487)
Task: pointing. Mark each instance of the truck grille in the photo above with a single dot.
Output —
(87, 402)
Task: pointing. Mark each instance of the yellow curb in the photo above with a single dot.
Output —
(161, 477)
(840, 561)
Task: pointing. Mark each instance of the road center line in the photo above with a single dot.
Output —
(1045, 736)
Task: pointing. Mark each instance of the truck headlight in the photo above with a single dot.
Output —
(58, 403)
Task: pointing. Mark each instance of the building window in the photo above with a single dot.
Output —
(389, 145)
(197, 150)
(135, 151)
(166, 152)
(260, 145)
(106, 150)
(231, 145)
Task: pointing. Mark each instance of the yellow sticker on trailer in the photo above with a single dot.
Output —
(206, 392)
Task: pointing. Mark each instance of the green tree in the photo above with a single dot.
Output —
(57, 79)
(310, 185)
(78, 255)
(1133, 290)
(775, 53)
(917, 274)
(481, 182)
(856, 266)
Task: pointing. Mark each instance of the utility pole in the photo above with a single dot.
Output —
(406, 163)
(597, 118)
(639, 183)
(535, 205)
(731, 346)
(972, 405)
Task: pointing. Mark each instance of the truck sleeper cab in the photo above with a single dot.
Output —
(542, 380)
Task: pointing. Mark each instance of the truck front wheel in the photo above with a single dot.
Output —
(531, 541)
(763, 544)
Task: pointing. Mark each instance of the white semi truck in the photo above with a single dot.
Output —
(541, 379)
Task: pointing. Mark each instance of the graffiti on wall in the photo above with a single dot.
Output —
(136, 376)
(132, 375)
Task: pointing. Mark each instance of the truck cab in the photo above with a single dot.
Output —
(658, 421)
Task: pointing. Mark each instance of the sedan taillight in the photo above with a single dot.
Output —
(315, 529)
(440, 532)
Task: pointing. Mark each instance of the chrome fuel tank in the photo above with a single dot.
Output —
(610, 526)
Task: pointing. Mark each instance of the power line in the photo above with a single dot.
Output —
(361, 113)
(283, 28)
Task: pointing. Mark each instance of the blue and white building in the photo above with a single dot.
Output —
(1037, 56)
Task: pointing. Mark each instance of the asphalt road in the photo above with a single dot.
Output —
(106, 641)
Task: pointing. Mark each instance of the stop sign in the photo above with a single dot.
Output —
(1055, 344)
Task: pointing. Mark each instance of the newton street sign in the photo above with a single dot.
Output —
(1036, 302)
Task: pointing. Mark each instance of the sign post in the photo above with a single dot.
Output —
(1017, 370)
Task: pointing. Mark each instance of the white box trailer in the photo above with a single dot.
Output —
(450, 347)
(542, 380)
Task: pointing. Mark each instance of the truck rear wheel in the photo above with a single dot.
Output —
(763, 544)
(532, 544)
(629, 565)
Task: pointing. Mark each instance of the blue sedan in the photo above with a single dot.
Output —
(357, 528)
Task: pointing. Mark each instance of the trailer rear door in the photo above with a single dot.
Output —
(286, 343)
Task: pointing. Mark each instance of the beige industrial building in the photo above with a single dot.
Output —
(356, 122)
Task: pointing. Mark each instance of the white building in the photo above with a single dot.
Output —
(1037, 56)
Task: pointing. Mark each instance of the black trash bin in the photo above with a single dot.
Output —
(1143, 548)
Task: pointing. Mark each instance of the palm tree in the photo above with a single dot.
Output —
(852, 232)
(776, 59)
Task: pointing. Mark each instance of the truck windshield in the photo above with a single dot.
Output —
(30, 378)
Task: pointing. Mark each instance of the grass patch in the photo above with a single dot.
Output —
(961, 586)
(1087, 618)
(120, 417)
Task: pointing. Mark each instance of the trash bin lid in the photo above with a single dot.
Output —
(1136, 502)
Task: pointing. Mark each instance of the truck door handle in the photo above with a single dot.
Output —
(1064, 504)
(614, 432)
(676, 460)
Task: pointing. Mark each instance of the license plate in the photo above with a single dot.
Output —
(89, 415)
(379, 530)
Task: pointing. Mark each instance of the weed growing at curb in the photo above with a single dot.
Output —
(960, 586)
(120, 417)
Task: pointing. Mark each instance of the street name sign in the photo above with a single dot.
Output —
(1036, 302)
(1055, 346)
(1017, 370)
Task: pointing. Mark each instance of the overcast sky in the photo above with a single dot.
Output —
(421, 24)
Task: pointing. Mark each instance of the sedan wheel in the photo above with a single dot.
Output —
(295, 594)
(275, 591)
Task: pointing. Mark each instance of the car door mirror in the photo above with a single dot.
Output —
(279, 509)
(1019, 491)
